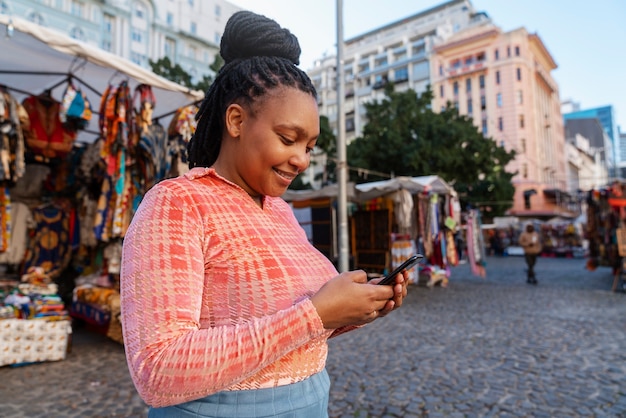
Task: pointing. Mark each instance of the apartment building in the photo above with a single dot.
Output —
(186, 31)
(615, 152)
(397, 52)
(503, 81)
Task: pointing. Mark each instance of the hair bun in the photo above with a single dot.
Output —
(248, 34)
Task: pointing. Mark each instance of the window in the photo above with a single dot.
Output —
(441, 70)
(484, 127)
(169, 19)
(455, 88)
(497, 77)
(470, 108)
(365, 67)
(190, 2)
(401, 74)
(418, 50)
(468, 85)
(139, 12)
(480, 57)
(525, 170)
(481, 81)
(483, 103)
(77, 8)
(469, 60)
(193, 52)
(108, 22)
(496, 54)
(349, 123)
(4, 8)
(517, 51)
(508, 51)
(523, 142)
(193, 28)
(217, 38)
(77, 33)
(519, 74)
(218, 10)
(380, 62)
(441, 90)
(399, 55)
(500, 124)
(170, 48)
(499, 99)
(521, 121)
(136, 35)
(36, 18)
(455, 64)
(106, 45)
(519, 98)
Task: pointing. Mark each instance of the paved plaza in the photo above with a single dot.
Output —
(482, 347)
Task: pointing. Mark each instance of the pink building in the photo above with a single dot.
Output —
(503, 81)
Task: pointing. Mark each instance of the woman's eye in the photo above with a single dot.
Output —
(286, 140)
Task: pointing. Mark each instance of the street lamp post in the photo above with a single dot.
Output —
(342, 165)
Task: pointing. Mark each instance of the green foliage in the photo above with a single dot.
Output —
(405, 137)
(177, 74)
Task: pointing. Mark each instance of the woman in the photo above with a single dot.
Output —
(226, 306)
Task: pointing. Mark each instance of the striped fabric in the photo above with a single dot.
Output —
(215, 292)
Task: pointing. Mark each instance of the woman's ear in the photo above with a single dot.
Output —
(234, 119)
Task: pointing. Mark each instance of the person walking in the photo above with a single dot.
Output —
(226, 306)
(529, 241)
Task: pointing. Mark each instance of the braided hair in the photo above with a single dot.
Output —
(259, 56)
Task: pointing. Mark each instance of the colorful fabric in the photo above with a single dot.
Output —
(215, 292)
(47, 137)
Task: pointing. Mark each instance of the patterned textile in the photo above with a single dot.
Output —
(51, 247)
(215, 292)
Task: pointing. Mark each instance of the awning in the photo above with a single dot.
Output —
(431, 183)
(35, 58)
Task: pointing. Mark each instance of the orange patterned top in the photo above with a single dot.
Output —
(215, 292)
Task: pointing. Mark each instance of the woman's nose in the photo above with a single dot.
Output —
(301, 160)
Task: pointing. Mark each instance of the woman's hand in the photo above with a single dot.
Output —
(348, 299)
(400, 290)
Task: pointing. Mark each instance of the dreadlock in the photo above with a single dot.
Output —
(259, 56)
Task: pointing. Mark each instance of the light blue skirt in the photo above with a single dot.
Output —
(306, 399)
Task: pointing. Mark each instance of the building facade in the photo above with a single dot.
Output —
(186, 31)
(503, 81)
(397, 52)
(616, 156)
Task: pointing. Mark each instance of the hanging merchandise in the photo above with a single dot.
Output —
(475, 244)
(48, 137)
(75, 108)
(14, 121)
(180, 131)
(152, 136)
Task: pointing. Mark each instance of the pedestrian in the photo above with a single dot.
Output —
(529, 241)
(226, 306)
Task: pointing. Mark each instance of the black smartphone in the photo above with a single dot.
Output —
(391, 277)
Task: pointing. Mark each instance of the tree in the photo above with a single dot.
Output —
(174, 72)
(404, 136)
(326, 145)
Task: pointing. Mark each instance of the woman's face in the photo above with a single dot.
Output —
(274, 142)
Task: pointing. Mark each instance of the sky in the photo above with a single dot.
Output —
(587, 39)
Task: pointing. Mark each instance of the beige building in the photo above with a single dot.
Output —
(503, 81)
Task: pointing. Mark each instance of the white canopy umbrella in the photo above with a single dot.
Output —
(367, 191)
(34, 59)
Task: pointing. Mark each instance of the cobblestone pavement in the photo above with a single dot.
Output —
(482, 347)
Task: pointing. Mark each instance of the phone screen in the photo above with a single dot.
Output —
(391, 277)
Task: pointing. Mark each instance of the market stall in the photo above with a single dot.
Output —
(389, 221)
(85, 134)
(606, 231)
